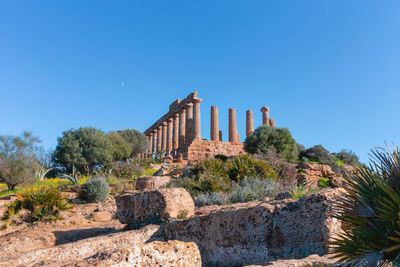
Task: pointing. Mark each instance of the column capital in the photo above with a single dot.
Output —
(169, 120)
(197, 100)
(176, 115)
(264, 109)
(164, 124)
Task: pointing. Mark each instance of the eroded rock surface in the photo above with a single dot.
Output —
(154, 206)
(121, 249)
(152, 182)
(258, 232)
(311, 173)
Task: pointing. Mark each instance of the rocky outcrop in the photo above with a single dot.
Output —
(313, 260)
(258, 232)
(141, 208)
(310, 173)
(121, 249)
(152, 182)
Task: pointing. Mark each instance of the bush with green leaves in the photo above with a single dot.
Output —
(42, 203)
(211, 198)
(266, 138)
(136, 140)
(234, 168)
(370, 213)
(128, 169)
(95, 190)
(250, 189)
(244, 166)
(18, 159)
(85, 149)
(348, 157)
(318, 154)
(324, 182)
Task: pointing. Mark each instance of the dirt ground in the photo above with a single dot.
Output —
(83, 221)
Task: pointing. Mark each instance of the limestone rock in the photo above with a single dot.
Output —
(152, 182)
(146, 207)
(310, 173)
(313, 260)
(164, 170)
(102, 216)
(121, 249)
(258, 232)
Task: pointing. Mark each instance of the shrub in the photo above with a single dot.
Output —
(266, 138)
(348, 157)
(250, 189)
(246, 166)
(95, 190)
(235, 168)
(286, 171)
(369, 211)
(42, 204)
(323, 182)
(318, 154)
(127, 169)
(210, 167)
(211, 198)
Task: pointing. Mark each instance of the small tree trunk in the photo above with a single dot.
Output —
(11, 186)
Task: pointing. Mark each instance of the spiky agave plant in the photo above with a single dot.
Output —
(370, 213)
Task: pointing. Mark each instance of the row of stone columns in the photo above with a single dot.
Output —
(183, 127)
(234, 137)
(177, 131)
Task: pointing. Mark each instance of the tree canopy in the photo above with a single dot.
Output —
(266, 138)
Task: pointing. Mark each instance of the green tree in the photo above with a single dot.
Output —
(319, 154)
(85, 149)
(135, 139)
(266, 138)
(18, 161)
(121, 149)
(348, 157)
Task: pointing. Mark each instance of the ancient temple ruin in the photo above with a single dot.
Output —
(178, 132)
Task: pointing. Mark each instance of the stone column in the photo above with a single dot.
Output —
(214, 133)
(154, 148)
(272, 123)
(169, 135)
(182, 128)
(265, 115)
(159, 139)
(196, 119)
(249, 123)
(164, 137)
(189, 122)
(220, 136)
(175, 133)
(232, 126)
(150, 150)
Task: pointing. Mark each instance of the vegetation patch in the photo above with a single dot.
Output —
(370, 213)
(42, 204)
(95, 190)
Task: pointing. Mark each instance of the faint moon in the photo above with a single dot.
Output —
(122, 84)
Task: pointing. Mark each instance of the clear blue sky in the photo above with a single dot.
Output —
(329, 70)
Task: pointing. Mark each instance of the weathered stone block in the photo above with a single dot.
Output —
(258, 232)
(152, 182)
(154, 206)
